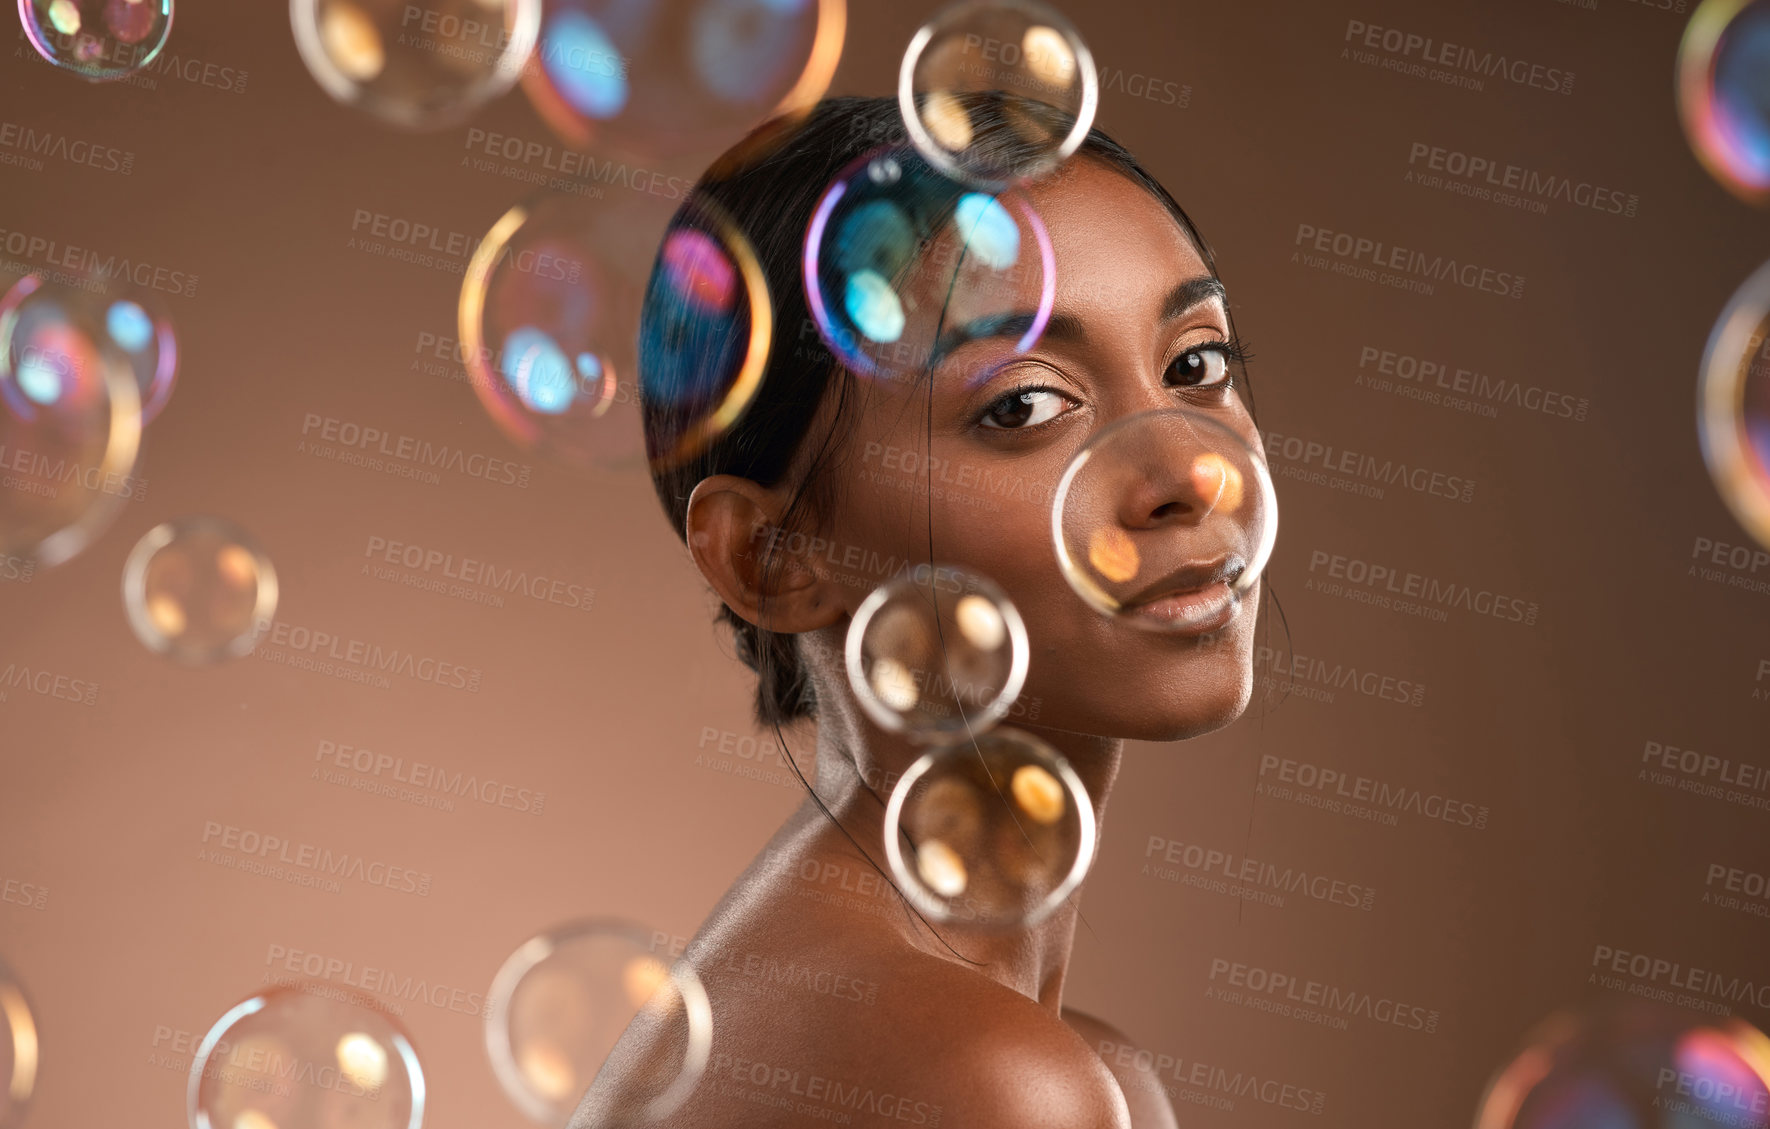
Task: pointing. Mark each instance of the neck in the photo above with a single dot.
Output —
(857, 767)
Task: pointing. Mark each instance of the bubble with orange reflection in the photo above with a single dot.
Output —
(198, 590)
(706, 333)
(18, 1050)
(936, 653)
(679, 76)
(70, 420)
(997, 92)
(306, 1056)
(1633, 1064)
(1733, 404)
(1165, 521)
(549, 319)
(416, 64)
(560, 1006)
(991, 833)
(99, 40)
(1724, 93)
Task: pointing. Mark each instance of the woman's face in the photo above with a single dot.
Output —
(961, 470)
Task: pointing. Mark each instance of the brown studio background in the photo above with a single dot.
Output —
(603, 711)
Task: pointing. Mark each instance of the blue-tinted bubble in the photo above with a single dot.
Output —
(1724, 93)
(538, 370)
(906, 268)
(707, 333)
(669, 77)
(129, 325)
(100, 40)
(1631, 1064)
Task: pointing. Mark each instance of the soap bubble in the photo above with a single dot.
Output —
(417, 64)
(308, 1056)
(903, 267)
(1633, 1065)
(549, 319)
(137, 325)
(1165, 520)
(562, 1001)
(100, 40)
(708, 329)
(937, 653)
(18, 1050)
(198, 590)
(679, 76)
(1733, 405)
(1724, 93)
(997, 92)
(70, 422)
(990, 834)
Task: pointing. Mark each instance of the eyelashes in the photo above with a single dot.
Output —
(1205, 367)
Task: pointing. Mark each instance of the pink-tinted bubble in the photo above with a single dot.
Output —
(1724, 93)
(100, 40)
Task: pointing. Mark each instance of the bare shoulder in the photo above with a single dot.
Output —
(1148, 1103)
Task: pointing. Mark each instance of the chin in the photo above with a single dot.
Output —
(1159, 716)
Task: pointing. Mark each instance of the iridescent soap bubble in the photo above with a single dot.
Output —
(706, 333)
(991, 834)
(417, 64)
(70, 421)
(1724, 93)
(198, 589)
(549, 319)
(1165, 520)
(904, 268)
(1633, 1065)
(679, 76)
(997, 92)
(306, 1056)
(560, 1004)
(99, 40)
(18, 1050)
(937, 653)
(1733, 405)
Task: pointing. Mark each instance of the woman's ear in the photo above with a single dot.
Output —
(733, 529)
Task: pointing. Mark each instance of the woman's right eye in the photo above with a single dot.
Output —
(1025, 407)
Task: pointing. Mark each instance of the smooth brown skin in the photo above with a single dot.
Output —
(988, 1042)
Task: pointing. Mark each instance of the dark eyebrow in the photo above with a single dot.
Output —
(1182, 298)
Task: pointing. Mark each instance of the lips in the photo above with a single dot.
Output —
(1194, 598)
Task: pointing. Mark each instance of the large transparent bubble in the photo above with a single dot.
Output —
(1165, 521)
(198, 590)
(100, 40)
(1733, 405)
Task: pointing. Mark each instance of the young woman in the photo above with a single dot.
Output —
(886, 1019)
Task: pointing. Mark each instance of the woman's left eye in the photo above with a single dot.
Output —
(1027, 407)
(1200, 367)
